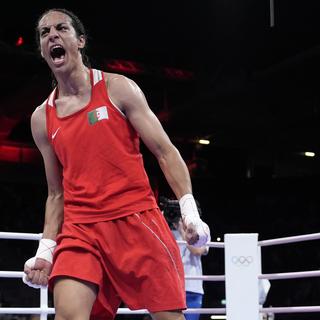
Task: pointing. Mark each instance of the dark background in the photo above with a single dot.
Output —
(210, 69)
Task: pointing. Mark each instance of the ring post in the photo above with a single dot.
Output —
(44, 303)
(241, 268)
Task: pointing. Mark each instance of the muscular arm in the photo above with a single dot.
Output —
(126, 95)
(38, 268)
(54, 203)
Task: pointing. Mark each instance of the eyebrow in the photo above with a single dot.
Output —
(60, 24)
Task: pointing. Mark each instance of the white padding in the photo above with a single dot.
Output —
(241, 271)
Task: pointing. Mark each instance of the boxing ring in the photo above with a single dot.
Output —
(242, 266)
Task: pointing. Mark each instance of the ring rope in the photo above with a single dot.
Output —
(262, 243)
(290, 309)
(304, 309)
(270, 276)
(305, 237)
(20, 236)
(38, 236)
(45, 310)
(120, 311)
(290, 275)
(19, 274)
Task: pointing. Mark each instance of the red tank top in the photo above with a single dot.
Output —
(103, 172)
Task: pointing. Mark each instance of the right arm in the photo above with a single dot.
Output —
(38, 268)
(54, 203)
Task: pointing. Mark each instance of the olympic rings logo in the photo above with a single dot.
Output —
(242, 261)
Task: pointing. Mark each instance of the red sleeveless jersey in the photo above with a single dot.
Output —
(103, 172)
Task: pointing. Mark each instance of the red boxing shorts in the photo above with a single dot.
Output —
(134, 260)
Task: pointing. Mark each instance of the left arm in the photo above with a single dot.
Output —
(197, 251)
(131, 100)
(127, 96)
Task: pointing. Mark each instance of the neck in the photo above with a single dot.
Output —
(74, 82)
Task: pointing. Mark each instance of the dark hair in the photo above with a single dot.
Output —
(78, 27)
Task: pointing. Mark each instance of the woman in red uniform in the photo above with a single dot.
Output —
(104, 238)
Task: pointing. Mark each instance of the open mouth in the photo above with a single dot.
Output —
(57, 53)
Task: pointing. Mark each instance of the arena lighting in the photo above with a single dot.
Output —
(204, 141)
(178, 74)
(125, 66)
(309, 154)
(18, 154)
(133, 67)
(20, 41)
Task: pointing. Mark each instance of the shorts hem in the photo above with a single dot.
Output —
(55, 276)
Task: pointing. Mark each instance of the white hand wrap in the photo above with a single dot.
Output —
(45, 251)
(30, 264)
(190, 216)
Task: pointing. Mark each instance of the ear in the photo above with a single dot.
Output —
(81, 42)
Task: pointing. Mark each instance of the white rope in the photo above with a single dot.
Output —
(306, 237)
(270, 276)
(207, 278)
(120, 311)
(19, 274)
(305, 309)
(11, 274)
(37, 236)
(20, 236)
(290, 275)
(291, 309)
(27, 310)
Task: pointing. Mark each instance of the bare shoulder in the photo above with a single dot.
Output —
(39, 110)
(38, 123)
(38, 116)
(115, 82)
(123, 91)
(113, 76)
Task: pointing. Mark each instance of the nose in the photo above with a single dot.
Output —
(53, 33)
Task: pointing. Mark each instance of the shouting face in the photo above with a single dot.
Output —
(60, 45)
